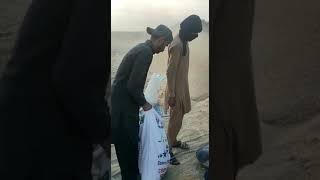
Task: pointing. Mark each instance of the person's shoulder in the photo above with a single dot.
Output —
(137, 49)
(176, 44)
(147, 49)
(141, 50)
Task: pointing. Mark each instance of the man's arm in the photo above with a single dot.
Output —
(80, 72)
(174, 60)
(138, 76)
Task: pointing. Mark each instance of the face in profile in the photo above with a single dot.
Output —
(161, 45)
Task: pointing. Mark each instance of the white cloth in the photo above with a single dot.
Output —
(151, 93)
(154, 156)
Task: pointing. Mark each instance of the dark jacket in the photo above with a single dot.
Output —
(127, 91)
(235, 127)
(52, 105)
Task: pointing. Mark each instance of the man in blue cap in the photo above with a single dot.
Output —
(127, 97)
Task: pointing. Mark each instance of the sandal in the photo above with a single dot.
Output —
(181, 145)
(173, 160)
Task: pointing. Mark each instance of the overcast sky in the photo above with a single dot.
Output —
(136, 15)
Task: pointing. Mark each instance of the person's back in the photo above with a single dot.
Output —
(237, 137)
(52, 105)
(125, 68)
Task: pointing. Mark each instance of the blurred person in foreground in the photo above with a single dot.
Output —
(52, 92)
(237, 134)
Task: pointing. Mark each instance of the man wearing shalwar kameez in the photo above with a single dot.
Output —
(177, 96)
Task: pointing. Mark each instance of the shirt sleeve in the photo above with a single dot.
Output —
(174, 60)
(138, 76)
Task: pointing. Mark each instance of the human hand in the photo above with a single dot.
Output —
(172, 101)
(147, 106)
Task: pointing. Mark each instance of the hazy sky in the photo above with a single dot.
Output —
(136, 15)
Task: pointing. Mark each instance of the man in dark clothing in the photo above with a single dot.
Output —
(236, 127)
(52, 105)
(127, 97)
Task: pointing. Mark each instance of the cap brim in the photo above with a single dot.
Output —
(150, 30)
